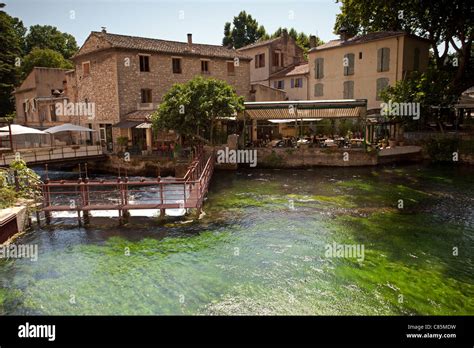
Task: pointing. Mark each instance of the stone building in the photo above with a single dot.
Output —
(35, 98)
(271, 58)
(125, 77)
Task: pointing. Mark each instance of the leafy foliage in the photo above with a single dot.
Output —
(47, 36)
(29, 183)
(45, 58)
(11, 49)
(43, 45)
(440, 149)
(302, 39)
(7, 194)
(448, 24)
(243, 31)
(192, 108)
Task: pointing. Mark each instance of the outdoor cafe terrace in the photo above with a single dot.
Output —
(325, 123)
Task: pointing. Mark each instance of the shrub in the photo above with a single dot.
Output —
(441, 149)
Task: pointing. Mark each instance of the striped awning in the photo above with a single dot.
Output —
(308, 109)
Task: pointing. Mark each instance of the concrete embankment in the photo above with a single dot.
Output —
(13, 220)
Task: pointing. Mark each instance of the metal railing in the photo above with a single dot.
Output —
(123, 194)
(50, 154)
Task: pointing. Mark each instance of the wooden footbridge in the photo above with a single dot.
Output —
(122, 194)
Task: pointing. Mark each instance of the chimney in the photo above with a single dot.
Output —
(104, 30)
(344, 34)
(312, 41)
(284, 34)
(190, 39)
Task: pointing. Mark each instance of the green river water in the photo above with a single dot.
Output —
(260, 250)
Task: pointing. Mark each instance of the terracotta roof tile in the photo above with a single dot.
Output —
(363, 38)
(171, 47)
(259, 43)
(293, 70)
(139, 115)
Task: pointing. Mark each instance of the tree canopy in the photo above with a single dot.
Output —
(447, 24)
(192, 108)
(302, 39)
(243, 31)
(45, 58)
(47, 36)
(21, 50)
(10, 53)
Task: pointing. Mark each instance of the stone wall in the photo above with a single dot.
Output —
(161, 78)
(312, 157)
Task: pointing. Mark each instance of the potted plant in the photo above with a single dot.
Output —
(122, 142)
(392, 142)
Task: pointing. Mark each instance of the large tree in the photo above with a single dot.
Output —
(47, 36)
(45, 58)
(10, 57)
(243, 31)
(448, 24)
(192, 108)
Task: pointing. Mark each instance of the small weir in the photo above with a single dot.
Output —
(123, 195)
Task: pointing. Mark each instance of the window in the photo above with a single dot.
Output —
(260, 60)
(348, 90)
(297, 83)
(205, 66)
(382, 83)
(25, 111)
(318, 90)
(319, 68)
(176, 65)
(348, 64)
(52, 113)
(230, 68)
(86, 67)
(144, 63)
(146, 95)
(280, 84)
(383, 59)
(277, 58)
(360, 55)
(416, 59)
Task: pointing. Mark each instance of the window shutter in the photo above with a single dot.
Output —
(348, 90)
(321, 69)
(282, 84)
(318, 90)
(416, 63)
(316, 68)
(379, 59)
(386, 59)
(351, 64)
(292, 83)
(275, 84)
(381, 84)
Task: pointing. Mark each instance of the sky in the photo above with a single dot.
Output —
(172, 20)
